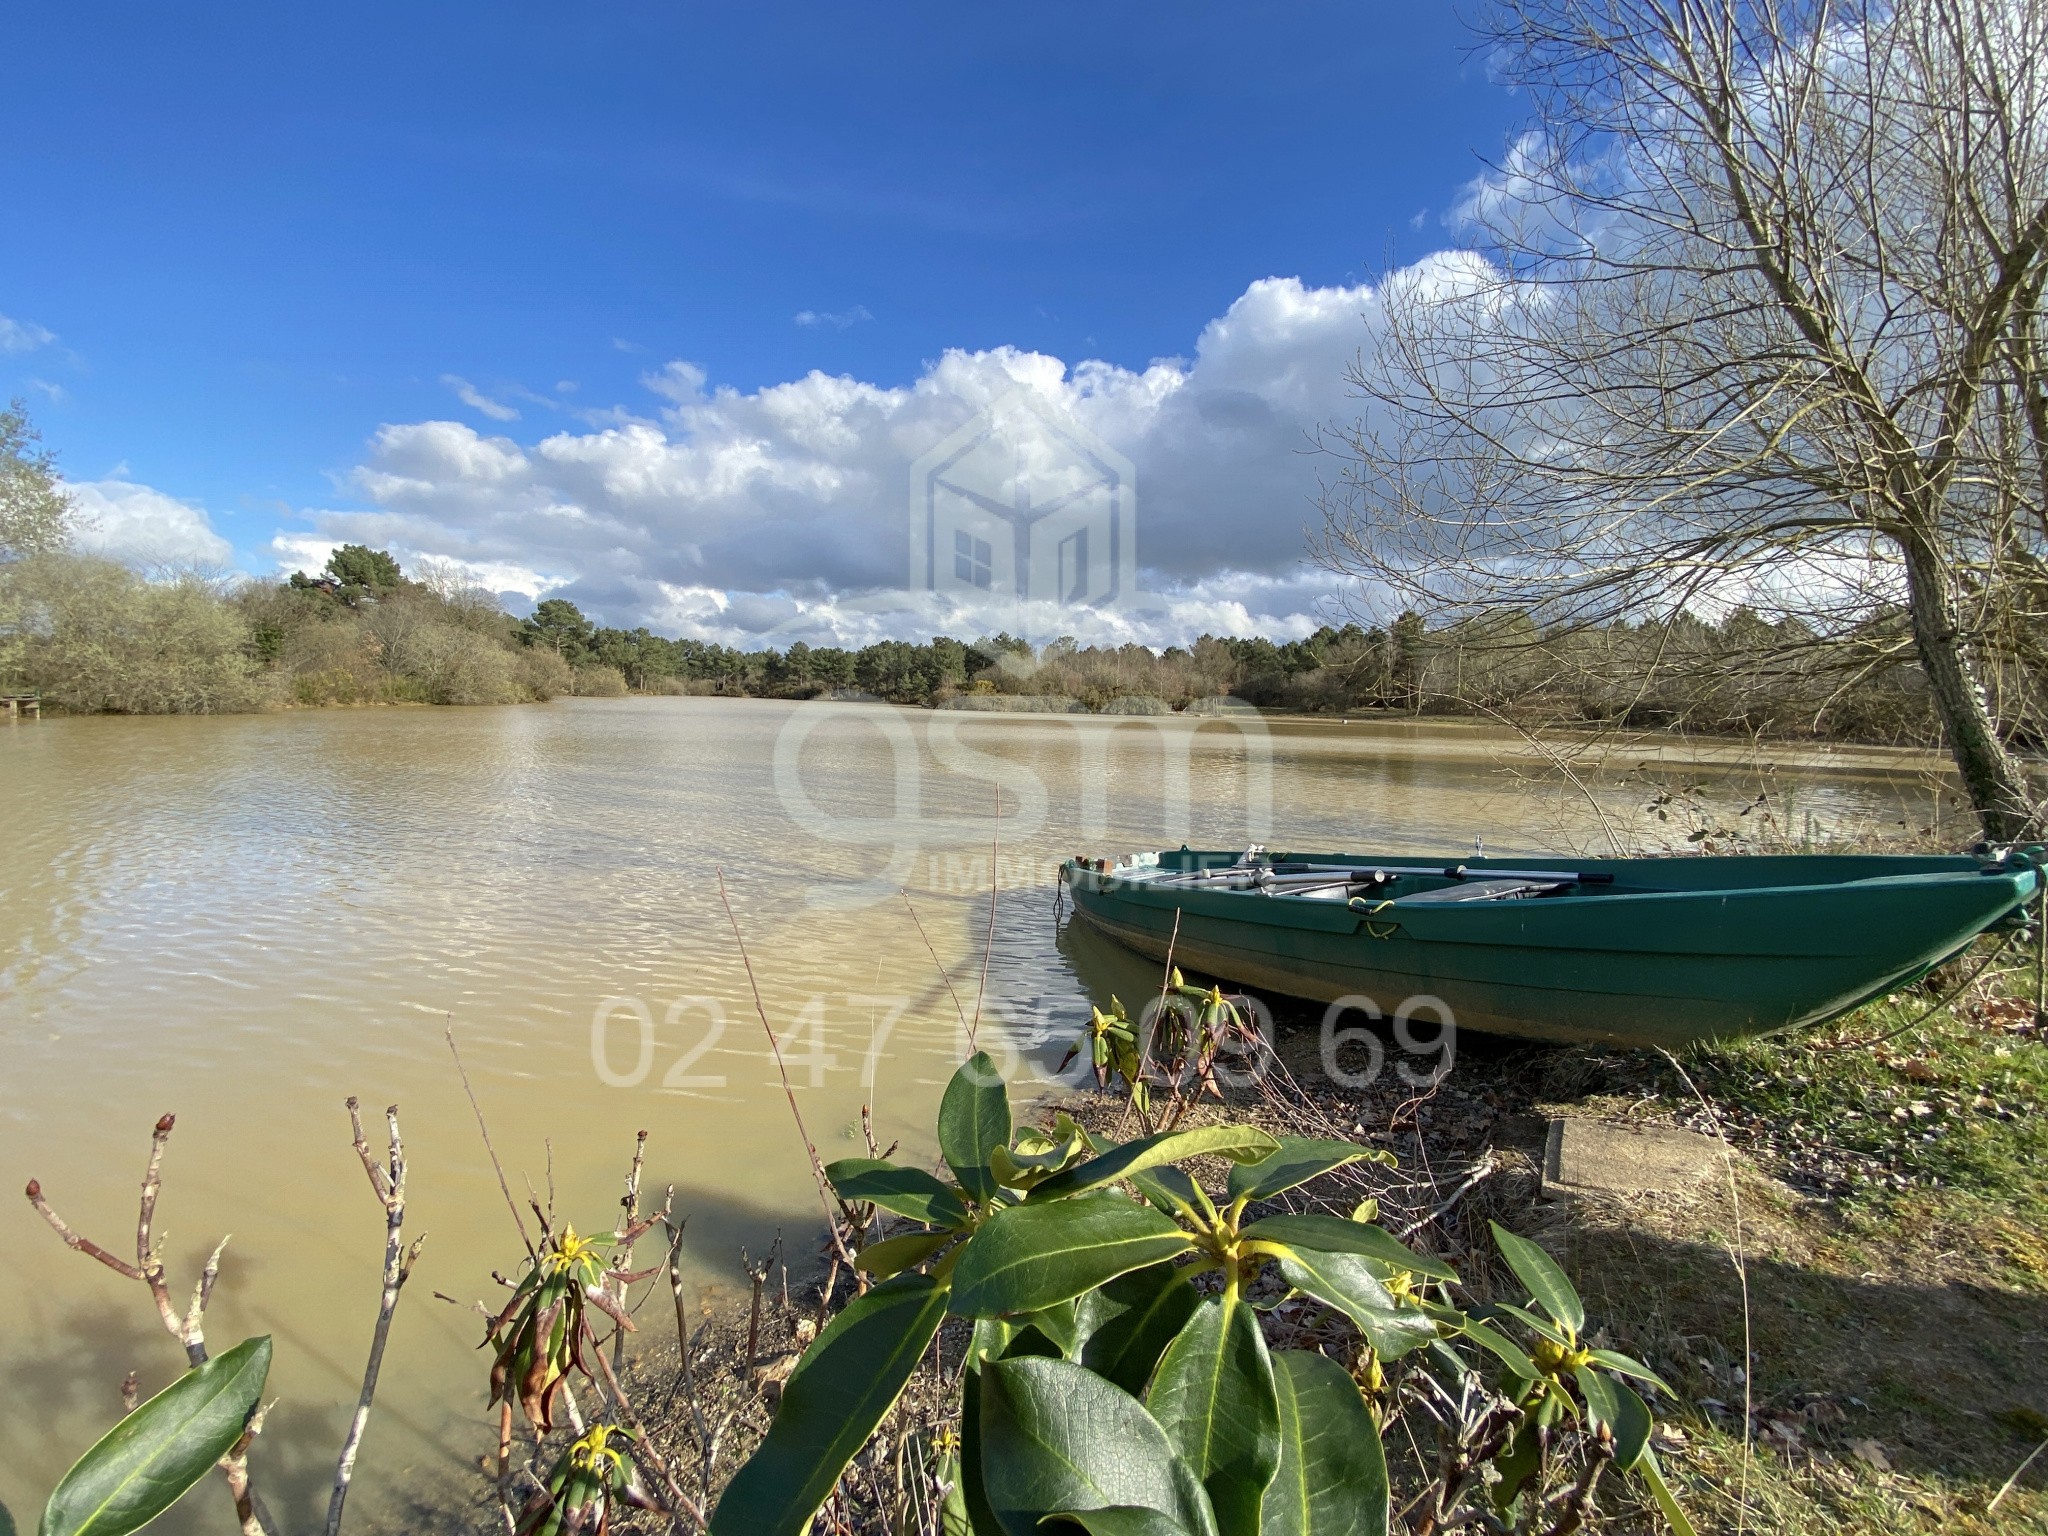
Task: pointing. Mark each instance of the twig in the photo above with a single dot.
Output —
(624, 1234)
(73, 1240)
(684, 1504)
(1578, 1501)
(147, 1261)
(388, 1183)
(2011, 1482)
(1558, 761)
(202, 1292)
(235, 1468)
(943, 974)
(689, 1373)
(189, 1330)
(2041, 949)
(825, 1295)
(988, 947)
(504, 1478)
(758, 1274)
(1737, 1256)
(775, 1047)
(1145, 1044)
(478, 1110)
(1481, 1170)
(1166, 977)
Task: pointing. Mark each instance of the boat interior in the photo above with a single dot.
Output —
(1324, 880)
(1413, 880)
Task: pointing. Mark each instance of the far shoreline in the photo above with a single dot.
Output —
(1667, 745)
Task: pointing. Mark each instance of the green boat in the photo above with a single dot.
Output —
(1652, 951)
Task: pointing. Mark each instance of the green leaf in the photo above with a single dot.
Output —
(1346, 1282)
(1056, 1439)
(893, 1255)
(1038, 1152)
(1027, 1257)
(1127, 1324)
(989, 1340)
(1623, 1365)
(1667, 1501)
(953, 1517)
(1333, 1234)
(1333, 1475)
(907, 1191)
(1546, 1282)
(847, 1380)
(973, 1492)
(1213, 1395)
(1520, 1461)
(1122, 1520)
(1239, 1143)
(1548, 1330)
(1501, 1347)
(143, 1465)
(1169, 1188)
(6, 1522)
(1626, 1416)
(1056, 1325)
(974, 1119)
(1299, 1159)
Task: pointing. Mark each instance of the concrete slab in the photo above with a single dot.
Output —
(1602, 1157)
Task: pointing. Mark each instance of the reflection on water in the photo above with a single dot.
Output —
(245, 920)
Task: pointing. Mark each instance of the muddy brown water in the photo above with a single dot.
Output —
(244, 920)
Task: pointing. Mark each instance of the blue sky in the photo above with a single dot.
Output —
(258, 253)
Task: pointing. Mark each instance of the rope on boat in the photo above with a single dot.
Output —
(1358, 904)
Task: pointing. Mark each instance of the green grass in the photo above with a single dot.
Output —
(1897, 1264)
(1935, 1138)
(1787, 1497)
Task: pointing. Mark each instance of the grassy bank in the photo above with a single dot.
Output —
(1888, 1204)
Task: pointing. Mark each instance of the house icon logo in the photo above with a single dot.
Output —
(1022, 501)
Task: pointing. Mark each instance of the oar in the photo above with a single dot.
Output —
(1460, 872)
(1316, 872)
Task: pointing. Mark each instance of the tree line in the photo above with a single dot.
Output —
(1743, 673)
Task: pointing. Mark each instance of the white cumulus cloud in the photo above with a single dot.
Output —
(706, 510)
(145, 527)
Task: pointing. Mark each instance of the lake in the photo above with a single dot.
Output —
(244, 920)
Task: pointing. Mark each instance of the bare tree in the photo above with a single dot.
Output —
(1754, 314)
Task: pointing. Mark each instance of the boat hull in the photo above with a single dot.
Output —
(1664, 953)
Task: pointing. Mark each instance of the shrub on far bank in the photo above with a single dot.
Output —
(329, 664)
(542, 674)
(442, 664)
(598, 682)
(91, 635)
